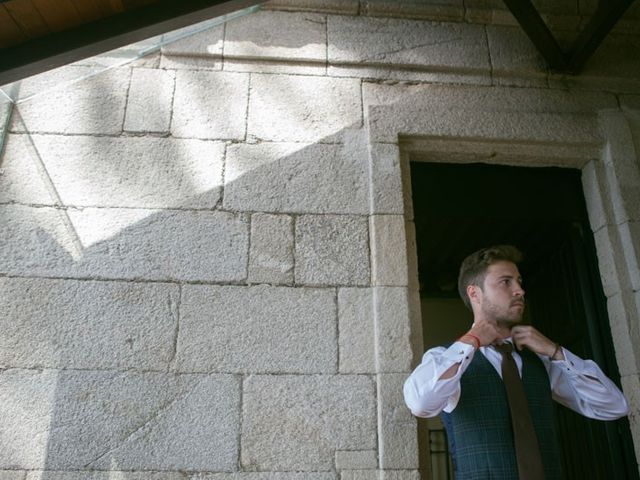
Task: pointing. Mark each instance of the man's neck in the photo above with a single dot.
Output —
(505, 329)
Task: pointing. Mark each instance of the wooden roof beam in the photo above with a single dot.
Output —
(603, 20)
(58, 49)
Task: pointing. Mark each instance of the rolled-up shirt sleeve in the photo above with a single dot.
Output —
(425, 393)
(582, 386)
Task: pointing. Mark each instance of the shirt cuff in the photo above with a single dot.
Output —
(459, 352)
(572, 364)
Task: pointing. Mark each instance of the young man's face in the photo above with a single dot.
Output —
(502, 296)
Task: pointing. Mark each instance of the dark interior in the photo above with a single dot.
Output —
(460, 208)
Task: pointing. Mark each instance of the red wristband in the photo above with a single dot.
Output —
(474, 338)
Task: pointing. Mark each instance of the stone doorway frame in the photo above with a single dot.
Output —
(596, 140)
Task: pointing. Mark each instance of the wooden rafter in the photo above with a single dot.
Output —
(603, 20)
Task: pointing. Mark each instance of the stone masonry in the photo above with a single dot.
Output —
(207, 259)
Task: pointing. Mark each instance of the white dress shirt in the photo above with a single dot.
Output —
(576, 383)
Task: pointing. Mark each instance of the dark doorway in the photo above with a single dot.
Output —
(459, 208)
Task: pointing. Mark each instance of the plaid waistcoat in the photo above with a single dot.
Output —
(479, 428)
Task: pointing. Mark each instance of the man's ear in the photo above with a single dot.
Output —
(473, 292)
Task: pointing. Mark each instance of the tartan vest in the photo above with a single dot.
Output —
(479, 428)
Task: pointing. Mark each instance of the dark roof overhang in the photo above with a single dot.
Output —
(56, 49)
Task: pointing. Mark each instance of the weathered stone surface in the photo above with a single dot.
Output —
(257, 329)
(526, 152)
(287, 67)
(71, 420)
(72, 324)
(303, 109)
(356, 459)
(22, 175)
(332, 250)
(6, 109)
(179, 62)
(26, 407)
(386, 179)
(630, 240)
(415, 324)
(393, 327)
(12, 475)
(40, 84)
(631, 389)
(441, 10)
(94, 105)
(149, 101)
(266, 476)
(388, 250)
(125, 171)
(108, 475)
(298, 178)
(623, 337)
(607, 241)
(500, 126)
(397, 427)
(271, 41)
(633, 118)
(412, 254)
(203, 43)
(271, 251)
(388, 72)
(485, 113)
(277, 35)
(514, 58)
(347, 7)
(380, 41)
(124, 243)
(210, 105)
(400, 475)
(621, 166)
(488, 99)
(149, 60)
(595, 191)
(356, 331)
(318, 414)
(488, 12)
(359, 475)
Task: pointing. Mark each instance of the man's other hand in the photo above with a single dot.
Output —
(528, 336)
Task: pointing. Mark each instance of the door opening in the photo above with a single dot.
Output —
(460, 208)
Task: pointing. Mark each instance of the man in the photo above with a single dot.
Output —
(466, 382)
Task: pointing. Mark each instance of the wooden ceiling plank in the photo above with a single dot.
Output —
(88, 10)
(116, 5)
(58, 16)
(10, 32)
(26, 15)
(105, 7)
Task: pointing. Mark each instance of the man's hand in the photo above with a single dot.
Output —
(485, 331)
(527, 336)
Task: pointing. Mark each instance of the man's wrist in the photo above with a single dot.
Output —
(471, 339)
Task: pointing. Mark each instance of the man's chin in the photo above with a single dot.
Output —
(509, 323)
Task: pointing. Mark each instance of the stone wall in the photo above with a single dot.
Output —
(207, 262)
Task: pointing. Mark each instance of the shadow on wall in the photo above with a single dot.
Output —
(124, 270)
(127, 262)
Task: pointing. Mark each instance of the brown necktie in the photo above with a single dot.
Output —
(524, 435)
